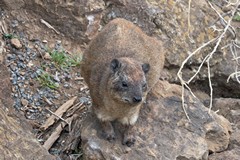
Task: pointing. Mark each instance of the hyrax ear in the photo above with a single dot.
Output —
(115, 65)
(145, 67)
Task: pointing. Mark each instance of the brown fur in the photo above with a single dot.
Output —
(121, 53)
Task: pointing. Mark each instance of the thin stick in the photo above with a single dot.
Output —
(210, 86)
(224, 22)
(235, 73)
(183, 103)
(47, 101)
(49, 25)
(192, 54)
(199, 68)
(60, 111)
(183, 83)
(57, 116)
(234, 54)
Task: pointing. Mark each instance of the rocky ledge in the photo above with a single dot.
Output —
(163, 130)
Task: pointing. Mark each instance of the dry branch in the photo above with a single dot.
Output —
(55, 135)
(59, 112)
(73, 109)
(206, 59)
(49, 25)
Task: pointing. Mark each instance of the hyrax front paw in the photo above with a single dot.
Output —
(129, 140)
(129, 136)
(110, 136)
(108, 131)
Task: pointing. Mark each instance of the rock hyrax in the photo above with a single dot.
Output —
(120, 66)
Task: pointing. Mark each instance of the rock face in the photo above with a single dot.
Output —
(82, 17)
(231, 155)
(229, 108)
(163, 130)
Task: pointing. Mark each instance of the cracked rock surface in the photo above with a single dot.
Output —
(163, 132)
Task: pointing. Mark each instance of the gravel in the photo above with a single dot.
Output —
(23, 74)
(25, 65)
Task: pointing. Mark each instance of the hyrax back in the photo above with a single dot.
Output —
(120, 66)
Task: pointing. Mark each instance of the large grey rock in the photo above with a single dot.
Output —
(163, 132)
(78, 20)
(233, 154)
(229, 108)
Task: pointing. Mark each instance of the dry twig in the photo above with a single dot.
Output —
(49, 25)
(57, 116)
(54, 136)
(47, 101)
(59, 112)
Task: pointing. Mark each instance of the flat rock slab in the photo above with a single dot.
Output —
(233, 154)
(163, 132)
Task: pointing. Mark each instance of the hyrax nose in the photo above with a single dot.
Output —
(137, 99)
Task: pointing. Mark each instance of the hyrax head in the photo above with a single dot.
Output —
(127, 82)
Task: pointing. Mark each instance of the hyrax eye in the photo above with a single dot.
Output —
(124, 84)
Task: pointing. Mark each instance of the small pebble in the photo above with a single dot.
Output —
(84, 100)
(12, 67)
(16, 43)
(58, 42)
(30, 64)
(14, 81)
(56, 78)
(57, 96)
(24, 102)
(24, 95)
(45, 41)
(22, 73)
(47, 56)
(67, 77)
(21, 57)
(66, 85)
(20, 84)
(14, 23)
(37, 103)
(11, 56)
(38, 72)
(13, 89)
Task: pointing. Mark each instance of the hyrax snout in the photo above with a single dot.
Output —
(120, 66)
(127, 82)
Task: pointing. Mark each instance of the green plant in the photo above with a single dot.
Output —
(47, 80)
(237, 17)
(9, 36)
(60, 58)
(74, 61)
